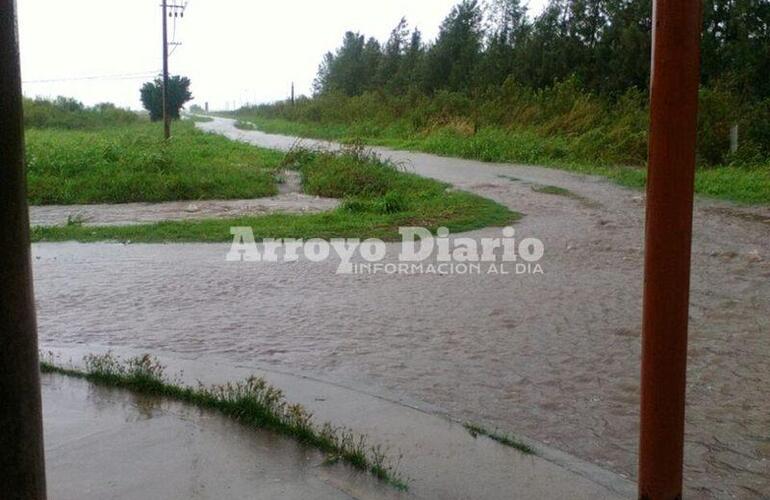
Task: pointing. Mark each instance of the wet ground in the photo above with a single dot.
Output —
(554, 357)
(96, 431)
(106, 443)
(289, 200)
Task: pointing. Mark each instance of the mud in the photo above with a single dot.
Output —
(554, 357)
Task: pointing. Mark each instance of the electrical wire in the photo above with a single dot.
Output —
(119, 76)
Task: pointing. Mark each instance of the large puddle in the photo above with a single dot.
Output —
(107, 443)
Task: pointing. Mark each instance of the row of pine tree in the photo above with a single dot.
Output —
(603, 44)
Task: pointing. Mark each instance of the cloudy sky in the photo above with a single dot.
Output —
(234, 51)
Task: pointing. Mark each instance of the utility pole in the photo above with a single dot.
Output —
(22, 471)
(166, 117)
(176, 11)
(292, 93)
(674, 79)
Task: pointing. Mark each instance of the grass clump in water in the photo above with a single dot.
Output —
(252, 402)
(244, 125)
(555, 190)
(504, 439)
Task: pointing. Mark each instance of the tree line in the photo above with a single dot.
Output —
(604, 45)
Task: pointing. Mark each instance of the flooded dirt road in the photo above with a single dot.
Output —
(551, 356)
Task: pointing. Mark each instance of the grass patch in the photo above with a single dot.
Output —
(593, 153)
(555, 190)
(252, 402)
(244, 125)
(378, 198)
(132, 163)
(504, 439)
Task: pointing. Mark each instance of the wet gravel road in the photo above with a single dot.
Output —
(552, 356)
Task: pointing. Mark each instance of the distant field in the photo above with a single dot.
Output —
(132, 163)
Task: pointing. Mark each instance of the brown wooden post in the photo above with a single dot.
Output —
(674, 80)
(22, 471)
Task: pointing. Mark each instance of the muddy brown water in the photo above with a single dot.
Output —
(552, 356)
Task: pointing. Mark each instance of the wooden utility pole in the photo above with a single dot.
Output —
(675, 75)
(166, 117)
(22, 469)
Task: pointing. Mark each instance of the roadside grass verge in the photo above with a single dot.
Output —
(132, 163)
(252, 402)
(579, 154)
(504, 439)
(377, 197)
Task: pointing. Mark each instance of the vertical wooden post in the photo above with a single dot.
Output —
(734, 139)
(674, 80)
(22, 471)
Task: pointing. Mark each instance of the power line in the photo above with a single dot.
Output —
(118, 76)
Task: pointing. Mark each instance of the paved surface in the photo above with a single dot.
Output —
(554, 357)
(105, 443)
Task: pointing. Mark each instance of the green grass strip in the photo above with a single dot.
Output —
(504, 439)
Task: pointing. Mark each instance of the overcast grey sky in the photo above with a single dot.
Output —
(233, 50)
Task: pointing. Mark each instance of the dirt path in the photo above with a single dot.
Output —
(554, 357)
(289, 200)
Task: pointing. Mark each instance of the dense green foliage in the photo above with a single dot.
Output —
(132, 163)
(378, 198)
(567, 88)
(179, 93)
(604, 44)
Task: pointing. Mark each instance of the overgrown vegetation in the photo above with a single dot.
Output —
(84, 157)
(504, 439)
(378, 197)
(567, 89)
(68, 113)
(252, 402)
